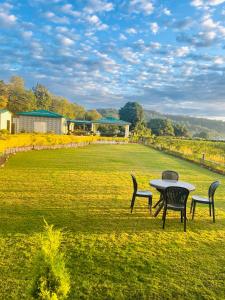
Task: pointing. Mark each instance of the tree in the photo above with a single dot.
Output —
(161, 126)
(65, 107)
(3, 94)
(19, 99)
(16, 83)
(141, 131)
(92, 115)
(202, 135)
(180, 130)
(3, 101)
(43, 97)
(132, 112)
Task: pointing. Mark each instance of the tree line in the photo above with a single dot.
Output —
(133, 112)
(16, 98)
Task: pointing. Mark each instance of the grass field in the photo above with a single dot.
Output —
(111, 254)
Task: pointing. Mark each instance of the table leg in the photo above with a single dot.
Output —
(160, 204)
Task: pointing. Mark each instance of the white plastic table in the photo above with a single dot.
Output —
(162, 184)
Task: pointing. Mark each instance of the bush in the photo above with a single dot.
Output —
(52, 280)
(4, 131)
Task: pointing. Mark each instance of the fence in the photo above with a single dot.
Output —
(10, 151)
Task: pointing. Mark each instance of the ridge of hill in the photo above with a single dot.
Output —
(215, 128)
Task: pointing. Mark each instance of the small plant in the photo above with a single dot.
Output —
(52, 280)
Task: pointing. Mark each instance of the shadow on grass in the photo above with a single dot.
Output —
(95, 220)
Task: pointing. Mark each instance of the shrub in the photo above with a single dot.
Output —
(52, 280)
(4, 131)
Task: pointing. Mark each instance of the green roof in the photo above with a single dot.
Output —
(112, 121)
(79, 122)
(40, 113)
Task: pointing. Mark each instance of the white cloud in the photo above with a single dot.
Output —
(206, 3)
(155, 45)
(122, 37)
(154, 27)
(166, 12)
(97, 6)
(182, 51)
(219, 60)
(66, 41)
(94, 20)
(56, 19)
(68, 9)
(144, 6)
(131, 31)
(27, 34)
(129, 55)
(7, 20)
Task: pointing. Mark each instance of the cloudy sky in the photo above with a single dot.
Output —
(166, 54)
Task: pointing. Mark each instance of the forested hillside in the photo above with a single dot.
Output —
(194, 125)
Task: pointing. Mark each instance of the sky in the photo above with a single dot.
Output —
(166, 55)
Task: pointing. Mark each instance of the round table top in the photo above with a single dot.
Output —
(162, 184)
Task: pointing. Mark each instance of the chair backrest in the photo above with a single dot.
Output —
(135, 185)
(170, 175)
(176, 196)
(212, 189)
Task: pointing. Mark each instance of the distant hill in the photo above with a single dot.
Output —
(194, 125)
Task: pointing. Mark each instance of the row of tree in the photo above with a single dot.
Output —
(133, 112)
(16, 98)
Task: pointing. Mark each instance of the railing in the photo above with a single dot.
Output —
(10, 151)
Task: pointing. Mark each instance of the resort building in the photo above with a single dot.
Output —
(41, 121)
(5, 119)
(92, 126)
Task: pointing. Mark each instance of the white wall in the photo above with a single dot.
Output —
(39, 124)
(4, 117)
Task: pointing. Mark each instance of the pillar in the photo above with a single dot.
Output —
(127, 131)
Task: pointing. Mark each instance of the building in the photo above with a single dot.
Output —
(40, 121)
(5, 119)
(93, 125)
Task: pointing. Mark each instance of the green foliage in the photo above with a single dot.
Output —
(202, 135)
(92, 115)
(140, 131)
(193, 150)
(180, 130)
(43, 97)
(161, 127)
(52, 280)
(19, 99)
(65, 107)
(111, 130)
(132, 112)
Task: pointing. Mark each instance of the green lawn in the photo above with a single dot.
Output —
(111, 253)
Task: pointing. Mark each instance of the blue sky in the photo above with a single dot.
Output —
(167, 55)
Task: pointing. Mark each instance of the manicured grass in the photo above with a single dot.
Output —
(111, 254)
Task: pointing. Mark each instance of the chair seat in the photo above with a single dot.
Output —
(144, 193)
(175, 207)
(200, 199)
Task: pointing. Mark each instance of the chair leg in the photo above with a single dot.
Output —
(132, 202)
(181, 216)
(185, 219)
(193, 210)
(164, 216)
(150, 204)
(191, 206)
(210, 209)
(213, 211)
